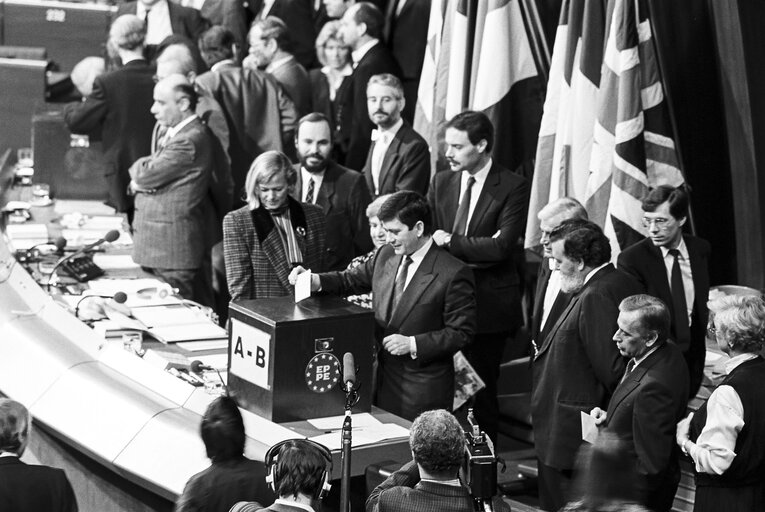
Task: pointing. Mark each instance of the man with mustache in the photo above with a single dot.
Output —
(399, 158)
(577, 366)
(340, 192)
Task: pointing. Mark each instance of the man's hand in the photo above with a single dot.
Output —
(315, 281)
(441, 237)
(599, 415)
(396, 344)
(681, 436)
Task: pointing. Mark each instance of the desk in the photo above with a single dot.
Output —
(136, 420)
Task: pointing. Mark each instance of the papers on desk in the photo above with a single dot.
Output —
(115, 261)
(79, 237)
(335, 422)
(362, 436)
(24, 236)
(140, 292)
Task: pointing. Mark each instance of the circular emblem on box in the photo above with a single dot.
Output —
(322, 372)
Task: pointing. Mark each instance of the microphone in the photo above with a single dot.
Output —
(111, 236)
(119, 298)
(33, 253)
(197, 366)
(349, 372)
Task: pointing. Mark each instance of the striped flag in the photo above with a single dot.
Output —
(463, 70)
(633, 147)
(564, 146)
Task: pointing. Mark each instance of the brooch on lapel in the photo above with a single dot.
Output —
(300, 230)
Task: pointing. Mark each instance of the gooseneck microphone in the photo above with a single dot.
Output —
(349, 372)
(34, 254)
(119, 298)
(197, 366)
(111, 236)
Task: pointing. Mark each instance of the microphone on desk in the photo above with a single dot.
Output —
(111, 236)
(119, 298)
(34, 254)
(197, 366)
(349, 372)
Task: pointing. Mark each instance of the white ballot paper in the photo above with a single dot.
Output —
(589, 428)
(303, 286)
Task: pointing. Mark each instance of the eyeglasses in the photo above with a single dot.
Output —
(711, 331)
(660, 222)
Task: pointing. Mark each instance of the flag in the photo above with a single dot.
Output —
(478, 57)
(564, 146)
(633, 147)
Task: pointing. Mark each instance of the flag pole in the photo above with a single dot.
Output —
(472, 14)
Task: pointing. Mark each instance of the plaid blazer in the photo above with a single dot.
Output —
(256, 263)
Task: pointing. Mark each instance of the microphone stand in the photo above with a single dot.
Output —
(351, 399)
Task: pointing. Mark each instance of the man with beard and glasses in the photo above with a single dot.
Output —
(577, 366)
(399, 158)
(341, 193)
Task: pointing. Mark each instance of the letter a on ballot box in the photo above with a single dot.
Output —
(285, 359)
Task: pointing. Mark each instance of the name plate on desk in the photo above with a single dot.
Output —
(250, 354)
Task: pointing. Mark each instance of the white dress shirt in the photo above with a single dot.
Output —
(305, 178)
(159, 21)
(278, 63)
(475, 191)
(551, 293)
(713, 450)
(685, 271)
(357, 55)
(382, 139)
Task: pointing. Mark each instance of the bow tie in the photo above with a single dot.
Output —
(379, 135)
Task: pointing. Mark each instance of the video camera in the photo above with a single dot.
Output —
(481, 465)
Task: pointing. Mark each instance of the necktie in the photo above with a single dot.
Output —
(309, 193)
(146, 21)
(398, 288)
(460, 220)
(680, 307)
(630, 367)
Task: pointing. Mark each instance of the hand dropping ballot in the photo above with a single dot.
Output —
(303, 286)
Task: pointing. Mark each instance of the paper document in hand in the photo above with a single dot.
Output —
(303, 286)
(589, 428)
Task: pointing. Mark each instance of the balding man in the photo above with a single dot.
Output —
(171, 188)
(118, 110)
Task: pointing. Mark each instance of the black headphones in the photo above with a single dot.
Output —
(272, 457)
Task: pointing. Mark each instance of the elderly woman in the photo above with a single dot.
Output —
(378, 235)
(725, 436)
(265, 239)
(336, 60)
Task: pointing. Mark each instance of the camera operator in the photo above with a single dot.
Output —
(431, 481)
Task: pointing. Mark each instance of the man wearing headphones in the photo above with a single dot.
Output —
(298, 472)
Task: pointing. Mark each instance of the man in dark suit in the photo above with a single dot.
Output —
(271, 51)
(675, 268)
(361, 29)
(480, 211)
(406, 34)
(24, 487)
(341, 193)
(298, 15)
(164, 18)
(548, 301)
(424, 303)
(430, 482)
(649, 401)
(260, 116)
(118, 110)
(173, 204)
(577, 366)
(399, 158)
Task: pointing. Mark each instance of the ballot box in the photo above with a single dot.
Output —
(285, 359)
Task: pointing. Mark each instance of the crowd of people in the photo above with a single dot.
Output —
(244, 157)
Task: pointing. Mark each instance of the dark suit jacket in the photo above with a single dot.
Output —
(260, 116)
(497, 222)
(185, 21)
(578, 366)
(256, 263)
(538, 333)
(231, 14)
(298, 15)
(355, 125)
(26, 488)
(119, 110)
(294, 79)
(344, 198)
(437, 308)
(220, 486)
(403, 491)
(405, 166)
(644, 261)
(644, 411)
(171, 219)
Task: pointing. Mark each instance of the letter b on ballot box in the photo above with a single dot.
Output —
(285, 359)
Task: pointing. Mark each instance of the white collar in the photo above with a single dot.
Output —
(278, 63)
(9, 454)
(357, 55)
(593, 271)
(454, 482)
(173, 130)
(393, 130)
(222, 63)
(644, 356)
(480, 175)
(295, 504)
(418, 255)
(141, 10)
(735, 361)
(681, 247)
(347, 70)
